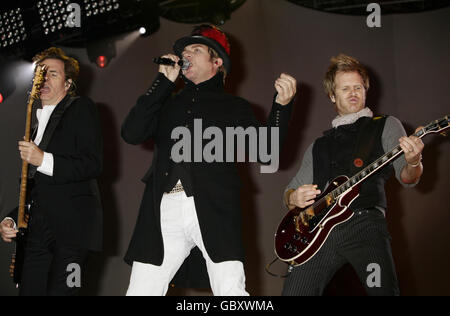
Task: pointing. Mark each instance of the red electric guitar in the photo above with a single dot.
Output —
(303, 231)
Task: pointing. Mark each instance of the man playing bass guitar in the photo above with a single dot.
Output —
(356, 139)
(65, 159)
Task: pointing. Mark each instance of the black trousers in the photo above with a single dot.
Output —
(364, 242)
(50, 269)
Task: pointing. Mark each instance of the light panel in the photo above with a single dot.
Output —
(53, 14)
(12, 28)
(97, 7)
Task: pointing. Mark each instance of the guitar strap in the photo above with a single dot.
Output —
(368, 137)
(36, 105)
(34, 132)
(55, 118)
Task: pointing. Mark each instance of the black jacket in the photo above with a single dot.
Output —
(216, 185)
(70, 199)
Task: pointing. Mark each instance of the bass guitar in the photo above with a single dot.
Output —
(23, 210)
(303, 231)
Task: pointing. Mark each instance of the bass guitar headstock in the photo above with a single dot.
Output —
(38, 81)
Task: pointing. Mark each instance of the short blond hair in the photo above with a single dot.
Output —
(343, 63)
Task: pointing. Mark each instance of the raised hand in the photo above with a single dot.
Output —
(286, 87)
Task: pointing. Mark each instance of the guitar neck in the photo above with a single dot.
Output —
(21, 217)
(21, 220)
(438, 126)
(379, 163)
(38, 81)
(367, 172)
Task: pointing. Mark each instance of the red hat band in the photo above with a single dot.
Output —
(214, 34)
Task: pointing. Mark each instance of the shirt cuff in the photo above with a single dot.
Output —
(15, 226)
(47, 165)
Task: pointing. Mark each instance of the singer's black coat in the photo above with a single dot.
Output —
(216, 186)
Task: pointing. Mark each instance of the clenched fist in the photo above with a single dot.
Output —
(286, 87)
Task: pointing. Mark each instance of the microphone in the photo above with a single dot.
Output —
(184, 63)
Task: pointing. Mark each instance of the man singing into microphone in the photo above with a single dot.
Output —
(193, 205)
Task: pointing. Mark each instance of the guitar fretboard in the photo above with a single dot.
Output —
(367, 172)
(435, 127)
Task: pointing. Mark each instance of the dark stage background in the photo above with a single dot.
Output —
(409, 61)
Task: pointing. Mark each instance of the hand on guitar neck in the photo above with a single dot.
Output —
(412, 147)
(31, 153)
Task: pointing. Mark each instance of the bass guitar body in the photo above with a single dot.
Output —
(18, 258)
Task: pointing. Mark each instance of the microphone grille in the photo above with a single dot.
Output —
(186, 64)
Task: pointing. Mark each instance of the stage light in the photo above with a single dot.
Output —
(12, 28)
(53, 14)
(94, 8)
(1, 97)
(102, 61)
(142, 30)
(101, 52)
(39, 24)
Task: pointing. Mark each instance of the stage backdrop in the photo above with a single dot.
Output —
(408, 59)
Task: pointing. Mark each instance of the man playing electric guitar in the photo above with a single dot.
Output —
(356, 139)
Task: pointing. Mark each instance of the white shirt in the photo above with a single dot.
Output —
(43, 116)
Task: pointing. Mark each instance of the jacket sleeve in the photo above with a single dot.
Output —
(142, 122)
(278, 118)
(84, 161)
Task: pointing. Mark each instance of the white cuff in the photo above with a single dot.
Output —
(15, 226)
(47, 165)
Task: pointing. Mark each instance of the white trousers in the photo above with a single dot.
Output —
(181, 233)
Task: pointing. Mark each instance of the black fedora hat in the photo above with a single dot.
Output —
(210, 36)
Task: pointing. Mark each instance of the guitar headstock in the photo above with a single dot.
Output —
(38, 81)
(438, 126)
